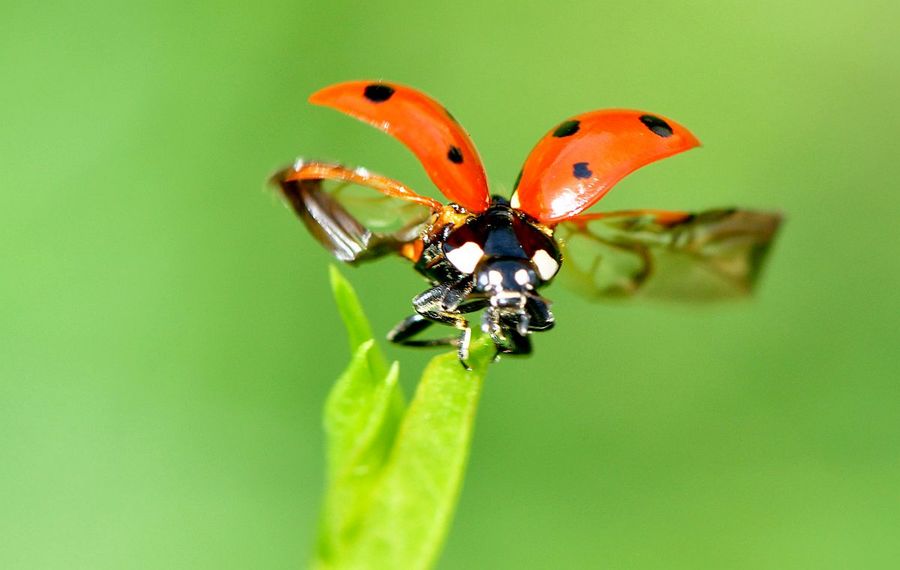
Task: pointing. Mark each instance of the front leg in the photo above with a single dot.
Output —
(442, 304)
(508, 331)
(411, 326)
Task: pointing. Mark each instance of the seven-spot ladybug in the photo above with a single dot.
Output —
(487, 252)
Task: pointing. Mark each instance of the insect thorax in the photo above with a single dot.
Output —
(501, 246)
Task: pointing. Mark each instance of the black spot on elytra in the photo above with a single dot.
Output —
(567, 129)
(518, 179)
(581, 170)
(455, 155)
(657, 126)
(378, 92)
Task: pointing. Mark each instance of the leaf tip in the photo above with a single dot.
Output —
(350, 309)
(337, 280)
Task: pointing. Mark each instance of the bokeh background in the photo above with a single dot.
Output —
(167, 337)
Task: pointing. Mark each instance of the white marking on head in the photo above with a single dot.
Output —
(521, 276)
(545, 264)
(501, 299)
(514, 201)
(495, 277)
(466, 257)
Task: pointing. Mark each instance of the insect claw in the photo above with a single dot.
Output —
(524, 321)
(463, 352)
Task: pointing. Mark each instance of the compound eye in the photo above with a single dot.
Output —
(465, 257)
(545, 264)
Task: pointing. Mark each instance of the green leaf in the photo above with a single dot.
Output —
(355, 409)
(362, 415)
(412, 505)
(394, 474)
(361, 423)
(358, 329)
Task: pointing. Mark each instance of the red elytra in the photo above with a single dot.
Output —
(572, 167)
(579, 161)
(425, 127)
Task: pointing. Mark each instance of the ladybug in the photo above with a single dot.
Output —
(483, 252)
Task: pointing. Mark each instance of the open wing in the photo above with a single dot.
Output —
(577, 162)
(356, 215)
(713, 255)
(425, 127)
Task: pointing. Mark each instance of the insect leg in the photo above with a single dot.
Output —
(409, 327)
(539, 315)
(413, 325)
(457, 294)
(509, 332)
(455, 320)
(441, 304)
(518, 344)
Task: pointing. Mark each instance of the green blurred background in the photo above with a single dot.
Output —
(167, 337)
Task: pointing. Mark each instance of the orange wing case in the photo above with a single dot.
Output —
(577, 163)
(425, 127)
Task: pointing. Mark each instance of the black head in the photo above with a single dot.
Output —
(510, 285)
(506, 279)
